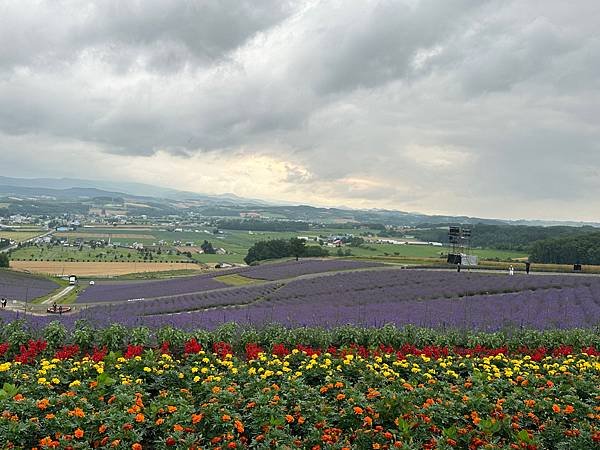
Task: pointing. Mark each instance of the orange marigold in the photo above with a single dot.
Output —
(239, 426)
(43, 403)
(136, 446)
(556, 408)
(79, 433)
(77, 412)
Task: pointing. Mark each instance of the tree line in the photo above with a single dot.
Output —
(583, 249)
(262, 225)
(283, 248)
(504, 237)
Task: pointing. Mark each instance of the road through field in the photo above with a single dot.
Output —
(57, 297)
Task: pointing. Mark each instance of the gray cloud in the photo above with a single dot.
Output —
(394, 101)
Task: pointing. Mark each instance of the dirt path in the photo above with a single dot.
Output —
(57, 297)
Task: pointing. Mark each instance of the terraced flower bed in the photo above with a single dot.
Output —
(21, 286)
(369, 298)
(107, 389)
(110, 291)
(291, 269)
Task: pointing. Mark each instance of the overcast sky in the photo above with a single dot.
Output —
(446, 106)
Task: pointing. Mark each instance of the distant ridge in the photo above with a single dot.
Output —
(231, 204)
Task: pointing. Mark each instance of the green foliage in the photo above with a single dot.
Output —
(55, 334)
(503, 237)
(4, 261)
(16, 333)
(262, 225)
(282, 248)
(208, 248)
(315, 251)
(582, 249)
(272, 249)
(139, 336)
(83, 335)
(113, 337)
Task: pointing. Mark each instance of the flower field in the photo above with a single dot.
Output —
(484, 301)
(20, 286)
(346, 388)
(290, 269)
(108, 291)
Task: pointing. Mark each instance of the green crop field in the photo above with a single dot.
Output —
(59, 253)
(20, 236)
(235, 242)
(426, 251)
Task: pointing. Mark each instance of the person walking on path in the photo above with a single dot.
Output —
(511, 270)
(3, 302)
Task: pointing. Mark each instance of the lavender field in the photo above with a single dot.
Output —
(21, 286)
(290, 269)
(110, 291)
(371, 298)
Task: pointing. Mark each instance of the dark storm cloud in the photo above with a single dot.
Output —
(389, 99)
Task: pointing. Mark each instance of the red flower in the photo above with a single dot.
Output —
(192, 346)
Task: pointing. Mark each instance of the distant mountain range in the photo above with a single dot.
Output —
(71, 189)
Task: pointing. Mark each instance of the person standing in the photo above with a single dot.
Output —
(527, 267)
(511, 270)
(3, 302)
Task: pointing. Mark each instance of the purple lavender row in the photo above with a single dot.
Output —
(183, 303)
(556, 308)
(421, 284)
(20, 286)
(290, 269)
(375, 297)
(106, 291)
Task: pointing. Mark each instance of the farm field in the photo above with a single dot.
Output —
(99, 269)
(20, 236)
(304, 388)
(106, 234)
(86, 254)
(235, 242)
(428, 251)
